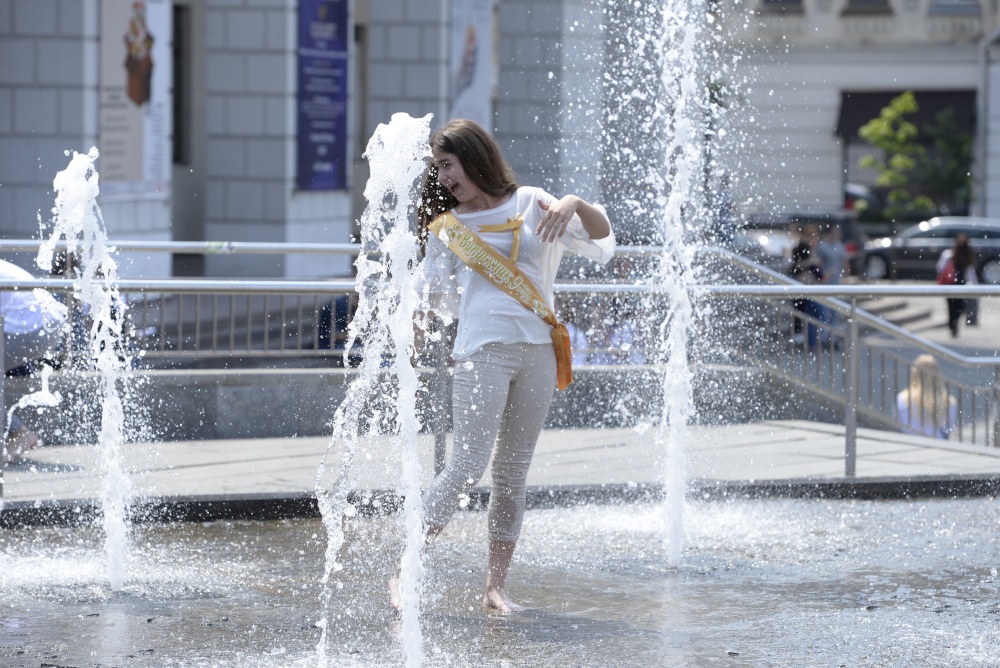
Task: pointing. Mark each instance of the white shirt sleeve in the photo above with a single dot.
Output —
(577, 239)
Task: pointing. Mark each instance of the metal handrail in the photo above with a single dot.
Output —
(781, 287)
(239, 247)
(790, 288)
(197, 247)
(192, 286)
(793, 290)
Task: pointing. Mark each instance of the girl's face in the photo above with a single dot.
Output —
(453, 177)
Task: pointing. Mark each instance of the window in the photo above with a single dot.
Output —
(936, 233)
(866, 7)
(979, 233)
(954, 8)
(781, 6)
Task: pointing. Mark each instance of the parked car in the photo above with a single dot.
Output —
(769, 238)
(866, 201)
(914, 252)
(771, 247)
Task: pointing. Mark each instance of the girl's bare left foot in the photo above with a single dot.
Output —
(497, 599)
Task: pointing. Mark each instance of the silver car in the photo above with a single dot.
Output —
(914, 252)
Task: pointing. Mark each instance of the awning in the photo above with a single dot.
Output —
(857, 108)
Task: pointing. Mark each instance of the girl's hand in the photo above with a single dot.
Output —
(557, 217)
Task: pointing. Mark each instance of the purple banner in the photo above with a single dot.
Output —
(321, 138)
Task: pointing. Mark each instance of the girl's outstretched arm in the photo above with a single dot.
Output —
(559, 213)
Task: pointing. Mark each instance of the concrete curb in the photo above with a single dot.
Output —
(25, 514)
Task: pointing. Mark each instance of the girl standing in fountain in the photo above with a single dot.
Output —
(505, 360)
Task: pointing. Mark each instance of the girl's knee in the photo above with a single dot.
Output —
(510, 487)
(505, 536)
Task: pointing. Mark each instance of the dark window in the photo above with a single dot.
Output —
(936, 233)
(181, 54)
(867, 7)
(954, 8)
(777, 6)
(980, 233)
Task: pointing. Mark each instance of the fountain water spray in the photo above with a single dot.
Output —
(686, 94)
(656, 120)
(44, 397)
(387, 300)
(77, 218)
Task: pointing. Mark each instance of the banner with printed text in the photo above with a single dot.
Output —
(471, 67)
(321, 136)
(134, 102)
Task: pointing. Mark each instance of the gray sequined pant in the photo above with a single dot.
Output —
(501, 395)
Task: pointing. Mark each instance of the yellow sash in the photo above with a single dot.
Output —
(504, 274)
(514, 224)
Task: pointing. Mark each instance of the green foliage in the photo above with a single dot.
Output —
(921, 177)
(902, 155)
(944, 173)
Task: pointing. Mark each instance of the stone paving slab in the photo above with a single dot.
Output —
(775, 450)
(935, 328)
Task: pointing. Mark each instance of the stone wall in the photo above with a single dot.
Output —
(204, 405)
(250, 127)
(407, 61)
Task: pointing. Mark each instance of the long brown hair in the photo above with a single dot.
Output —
(926, 396)
(481, 159)
(962, 255)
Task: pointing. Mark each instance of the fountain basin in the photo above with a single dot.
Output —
(761, 582)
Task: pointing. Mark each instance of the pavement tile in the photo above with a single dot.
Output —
(761, 451)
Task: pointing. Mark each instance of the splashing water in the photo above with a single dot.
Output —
(44, 397)
(656, 160)
(384, 321)
(685, 161)
(77, 218)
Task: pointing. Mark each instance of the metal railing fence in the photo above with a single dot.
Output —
(214, 317)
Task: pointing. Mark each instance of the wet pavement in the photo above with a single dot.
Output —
(764, 451)
(761, 582)
(774, 582)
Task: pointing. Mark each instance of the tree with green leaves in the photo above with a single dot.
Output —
(945, 172)
(922, 178)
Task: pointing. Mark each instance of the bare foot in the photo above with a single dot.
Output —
(497, 599)
(20, 441)
(394, 599)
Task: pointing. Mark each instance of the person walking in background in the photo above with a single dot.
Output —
(724, 213)
(568, 313)
(832, 254)
(957, 266)
(807, 268)
(624, 340)
(925, 407)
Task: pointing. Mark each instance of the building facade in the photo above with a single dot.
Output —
(229, 122)
(819, 69)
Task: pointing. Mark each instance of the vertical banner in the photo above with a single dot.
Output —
(321, 136)
(470, 71)
(134, 104)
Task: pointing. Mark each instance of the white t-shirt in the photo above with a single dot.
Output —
(26, 311)
(485, 313)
